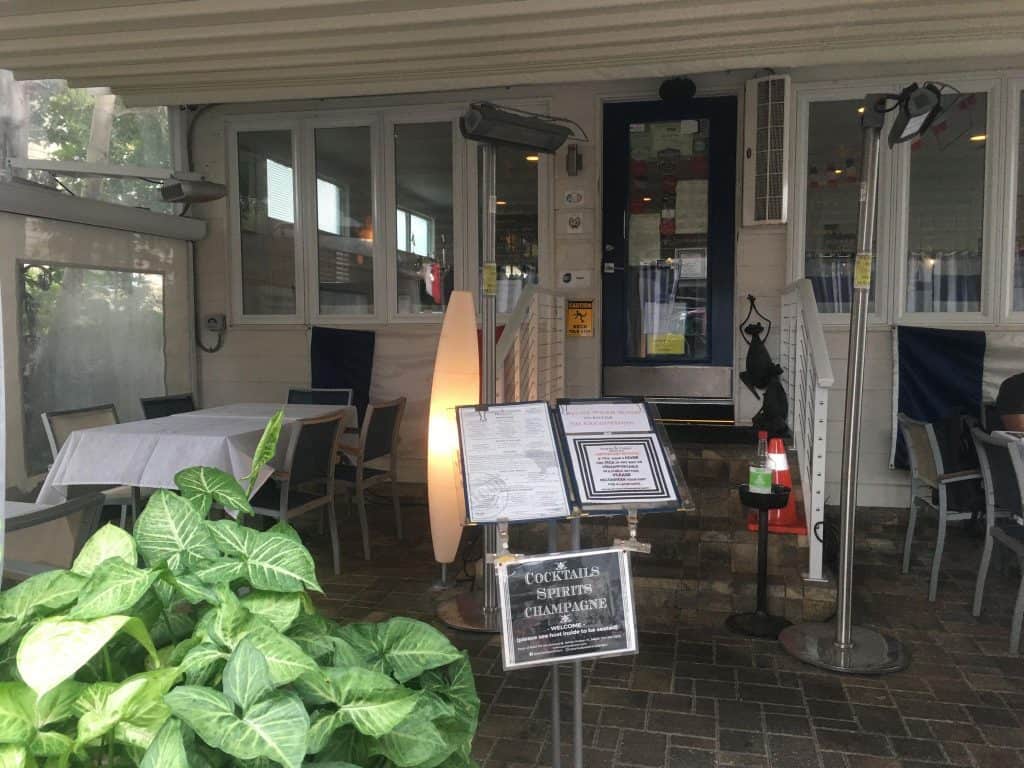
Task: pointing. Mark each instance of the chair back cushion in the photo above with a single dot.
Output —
(320, 397)
(60, 424)
(923, 461)
(314, 451)
(381, 429)
(158, 407)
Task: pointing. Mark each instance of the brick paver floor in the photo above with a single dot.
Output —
(697, 696)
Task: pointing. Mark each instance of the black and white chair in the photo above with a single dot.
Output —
(59, 425)
(319, 396)
(83, 517)
(1002, 472)
(167, 405)
(372, 461)
(306, 481)
(929, 483)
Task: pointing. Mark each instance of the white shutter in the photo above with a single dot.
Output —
(766, 147)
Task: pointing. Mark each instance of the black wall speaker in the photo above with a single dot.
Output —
(677, 90)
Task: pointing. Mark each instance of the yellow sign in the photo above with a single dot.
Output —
(666, 344)
(862, 271)
(579, 318)
(490, 279)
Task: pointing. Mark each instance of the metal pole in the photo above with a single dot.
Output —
(487, 303)
(855, 380)
(577, 677)
(844, 647)
(556, 694)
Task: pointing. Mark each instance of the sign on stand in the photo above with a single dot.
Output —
(566, 606)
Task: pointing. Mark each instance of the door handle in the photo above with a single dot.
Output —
(610, 268)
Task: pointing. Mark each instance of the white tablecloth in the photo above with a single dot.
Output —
(147, 454)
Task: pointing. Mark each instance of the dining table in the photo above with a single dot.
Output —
(148, 454)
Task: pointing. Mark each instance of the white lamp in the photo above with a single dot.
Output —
(456, 382)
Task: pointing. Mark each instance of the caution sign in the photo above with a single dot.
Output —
(579, 318)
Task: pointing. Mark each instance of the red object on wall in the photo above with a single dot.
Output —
(787, 519)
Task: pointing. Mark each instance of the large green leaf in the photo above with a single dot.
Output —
(17, 713)
(114, 587)
(247, 676)
(223, 570)
(370, 701)
(265, 450)
(52, 744)
(53, 650)
(274, 728)
(285, 658)
(171, 531)
(204, 483)
(58, 704)
(402, 647)
(138, 699)
(37, 596)
(109, 541)
(202, 662)
(313, 634)
(12, 756)
(415, 742)
(277, 608)
(274, 561)
(167, 749)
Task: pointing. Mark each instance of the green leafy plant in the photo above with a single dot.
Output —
(193, 643)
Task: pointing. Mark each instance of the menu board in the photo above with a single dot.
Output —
(510, 463)
(616, 457)
(566, 606)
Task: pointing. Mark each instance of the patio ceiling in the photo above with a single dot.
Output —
(198, 51)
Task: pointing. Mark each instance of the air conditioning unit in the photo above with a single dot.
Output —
(766, 150)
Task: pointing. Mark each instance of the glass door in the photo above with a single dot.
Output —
(668, 236)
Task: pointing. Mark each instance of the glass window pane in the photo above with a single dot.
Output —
(516, 230)
(344, 202)
(423, 189)
(46, 120)
(667, 240)
(947, 210)
(833, 203)
(266, 213)
(1018, 246)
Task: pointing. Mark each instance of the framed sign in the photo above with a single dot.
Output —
(615, 456)
(566, 606)
(511, 468)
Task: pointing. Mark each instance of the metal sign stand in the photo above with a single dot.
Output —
(465, 611)
(844, 647)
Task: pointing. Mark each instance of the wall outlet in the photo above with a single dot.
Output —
(215, 323)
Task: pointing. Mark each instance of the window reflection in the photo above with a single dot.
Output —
(1018, 249)
(947, 210)
(425, 227)
(516, 240)
(344, 214)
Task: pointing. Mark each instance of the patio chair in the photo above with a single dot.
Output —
(1002, 471)
(62, 529)
(306, 481)
(929, 484)
(167, 405)
(59, 425)
(319, 396)
(378, 443)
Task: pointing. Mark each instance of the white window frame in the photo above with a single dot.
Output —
(992, 253)
(884, 256)
(1011, 145)
(234, 126)
(350, 119)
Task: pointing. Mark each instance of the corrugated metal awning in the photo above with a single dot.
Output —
(200, 51)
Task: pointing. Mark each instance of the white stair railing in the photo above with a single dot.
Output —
(807, 378)
(530, 356)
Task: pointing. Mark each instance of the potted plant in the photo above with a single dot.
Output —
(193, 643)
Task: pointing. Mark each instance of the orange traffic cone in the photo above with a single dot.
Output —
(787, 519)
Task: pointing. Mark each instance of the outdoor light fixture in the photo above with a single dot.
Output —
(979, 137)
(918, 106)
(456, 382)
(489, 123)
(533, 158)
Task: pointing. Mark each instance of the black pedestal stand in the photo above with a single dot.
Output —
(760, 623)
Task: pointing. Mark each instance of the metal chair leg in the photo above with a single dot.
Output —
(398, 509)
(1018, 616)
(361, 507)
(940, 544)
(335, 545)
(909, 538)
(124, 517)
(136, 503)
(979, 586)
